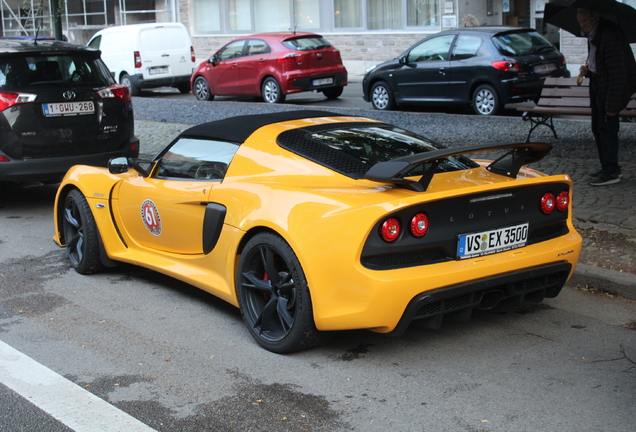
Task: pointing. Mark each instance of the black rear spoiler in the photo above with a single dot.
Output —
(508, 164)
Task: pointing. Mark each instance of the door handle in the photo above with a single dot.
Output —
(442, 71)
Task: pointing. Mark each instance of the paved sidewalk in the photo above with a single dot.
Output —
(605, 216)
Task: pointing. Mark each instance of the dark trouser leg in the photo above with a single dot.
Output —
(605, 131)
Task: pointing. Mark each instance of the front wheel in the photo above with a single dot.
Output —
(125, 80)
(271, 91)
(382, 96)
(333, 92)
(80, 234)
(202, 90)
(274, 297)
(485, 100)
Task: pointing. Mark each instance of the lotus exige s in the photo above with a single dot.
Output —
(311, 221)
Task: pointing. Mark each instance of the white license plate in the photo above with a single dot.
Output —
(544, 68)
(68, 108)
(493, 241)
(322, 81)
(157, 71)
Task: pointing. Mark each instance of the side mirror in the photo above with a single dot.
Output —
(118, 165)
(213, 60)
(402, 60)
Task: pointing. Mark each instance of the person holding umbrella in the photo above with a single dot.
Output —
(611, 69)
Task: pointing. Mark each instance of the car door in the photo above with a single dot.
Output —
(223, 71)
(466, 64)
(423, 75)
(250, 66)
(169, 210)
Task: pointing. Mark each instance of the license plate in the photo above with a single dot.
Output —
(544, 68)
(157, 71)
(322, 81)
(493, 241)
(68, 108)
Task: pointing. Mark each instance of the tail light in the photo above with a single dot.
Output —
(116, 91)
(8, 99)
(506, 66)
(419, 225)
(137, 59)
(3, 158)
(192, 56)
(563, 60)
(563, 201)
(390, 230)
(548, 202)
(289, 58)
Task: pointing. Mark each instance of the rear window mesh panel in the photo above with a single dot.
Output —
(298, 141)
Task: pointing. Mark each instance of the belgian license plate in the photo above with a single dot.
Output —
(68, 108)
(322, 81)
(544, 68)
(157, 70)
(493, 241)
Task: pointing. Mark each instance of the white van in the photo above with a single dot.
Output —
(147, 55)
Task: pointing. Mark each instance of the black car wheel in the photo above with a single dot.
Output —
(382, 96)
(184, 88)
(272, 92)
(485, 100)
(80, 234)
(274, 296)
(333, 92)
(125, 80)
(201, 90)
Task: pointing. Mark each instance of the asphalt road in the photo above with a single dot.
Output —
(162, 355)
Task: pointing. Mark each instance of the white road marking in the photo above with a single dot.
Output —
(62, 399)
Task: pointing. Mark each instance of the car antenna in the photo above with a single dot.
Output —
(37, 32)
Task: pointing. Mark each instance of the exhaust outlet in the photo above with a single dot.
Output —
(490, 299)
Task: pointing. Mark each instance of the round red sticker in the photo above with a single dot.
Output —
(151, 218)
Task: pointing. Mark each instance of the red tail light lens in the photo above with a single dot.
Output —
(563, 60)
(506, 66)
(116, 91)
(548, 202)
(419, 225)
(192, 56)
(289, 58)
(563, 201)
(137, 59)
(8, 99)
(390, 230)
(3, 158)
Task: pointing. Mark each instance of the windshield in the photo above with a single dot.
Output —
(522, 43)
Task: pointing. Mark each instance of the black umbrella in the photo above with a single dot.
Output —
(562, 13)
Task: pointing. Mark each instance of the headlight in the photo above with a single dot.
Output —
(369, 69)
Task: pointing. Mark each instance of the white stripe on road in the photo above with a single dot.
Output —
(65, 401)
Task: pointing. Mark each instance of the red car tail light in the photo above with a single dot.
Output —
(8, 99)
(116, 91)
(548, 202)
(563, 201)
(192, 56)
(4, 159)
(563, 60)
(506, 66)
(419, 225)
(390, 230)
(137, 59)
(289, 58)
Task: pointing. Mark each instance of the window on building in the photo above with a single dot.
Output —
(422, 13)
(240, 15)
(307, 14)
(384, 14)
(347, 13)
(207, 16)
(271, 15)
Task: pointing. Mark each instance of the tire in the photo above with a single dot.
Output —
(80, 234)
(485, 100)
(274, 297)
(125, 80)
(382, 97)
(271, 91)
(201, 90)
(184, 88)
(333, 92)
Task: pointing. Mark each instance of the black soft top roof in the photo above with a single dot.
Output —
(44, 47)
(238, 129)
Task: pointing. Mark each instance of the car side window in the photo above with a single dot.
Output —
(256, 47)
(434, 49)
(196, 159)
(467, 46)
(230, 51)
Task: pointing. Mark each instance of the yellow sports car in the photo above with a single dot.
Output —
(311, 221)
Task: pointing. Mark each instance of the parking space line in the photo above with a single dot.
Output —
(62, 399)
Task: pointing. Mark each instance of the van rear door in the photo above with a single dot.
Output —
(165, 51)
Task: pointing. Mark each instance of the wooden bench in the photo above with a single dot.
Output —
(561, 96)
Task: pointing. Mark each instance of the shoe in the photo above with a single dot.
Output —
(599, 172)
(604, 179)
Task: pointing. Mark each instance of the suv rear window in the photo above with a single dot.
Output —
(522, 43)
(18, 73)
(306, 43)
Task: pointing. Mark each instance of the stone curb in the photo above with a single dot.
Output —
(611, 281)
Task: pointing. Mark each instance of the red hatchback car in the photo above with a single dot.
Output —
(271, 65)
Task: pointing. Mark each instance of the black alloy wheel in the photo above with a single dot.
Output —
(274, 296)
(80, 234)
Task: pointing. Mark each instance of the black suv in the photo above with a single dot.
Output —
(487, 67)
(59, 107)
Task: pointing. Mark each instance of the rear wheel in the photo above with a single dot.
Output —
(274, 296)
(125, 80)
(80, 234)
(382, 96)
(333, 92)
(201, 90)
(271, 91)
(485, 100)
(184, 88)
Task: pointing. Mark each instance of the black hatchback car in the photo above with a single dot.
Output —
(487, 67)
(59, 107)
